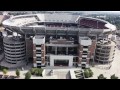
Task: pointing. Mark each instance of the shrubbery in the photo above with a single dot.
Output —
(28, 75)
(5, 71)
(101, 76)
(18, 72)
(113, 77)
(88, 73)
(36, 71)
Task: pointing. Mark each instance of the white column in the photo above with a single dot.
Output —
(70, 62)
(34, 65)
(51, 61)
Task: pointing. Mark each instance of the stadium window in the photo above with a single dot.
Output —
(83, 58)
(85, 46)
(85, 52)
(38, 45)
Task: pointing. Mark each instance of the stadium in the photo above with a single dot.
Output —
(53, 39)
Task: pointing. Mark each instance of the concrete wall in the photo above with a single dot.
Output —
(38, 41)
(85, 42)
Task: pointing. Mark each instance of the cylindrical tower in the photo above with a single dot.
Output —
(14, 49)
(105, 51)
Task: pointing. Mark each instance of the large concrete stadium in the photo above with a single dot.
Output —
(61, 39)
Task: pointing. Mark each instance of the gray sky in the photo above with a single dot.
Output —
(107, 11)
(95, 11)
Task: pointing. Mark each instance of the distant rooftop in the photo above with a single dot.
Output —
(61, 17)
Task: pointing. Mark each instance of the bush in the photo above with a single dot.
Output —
(113, 77)
(18, 72)
(101, 76)
(32, 70)
(5, 71)
(39, 72)
(88, 73)
(36, 71)
(28, 75)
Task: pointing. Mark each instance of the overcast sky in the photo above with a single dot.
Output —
(100, 12)
(95, 11)
(108, 11)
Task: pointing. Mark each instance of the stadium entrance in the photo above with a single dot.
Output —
(61, 62)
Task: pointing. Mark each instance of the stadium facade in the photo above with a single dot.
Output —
(62, 39)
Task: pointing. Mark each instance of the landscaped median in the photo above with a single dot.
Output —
(76, 74)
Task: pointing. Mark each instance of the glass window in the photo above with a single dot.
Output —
(83, 58)
(85, 46)
(38, 45)
(85, 52)
(38, 51)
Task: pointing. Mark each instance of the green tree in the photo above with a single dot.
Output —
(28, 75)
(113, 77)
(101, 76)
(5, 71)
(18, 72)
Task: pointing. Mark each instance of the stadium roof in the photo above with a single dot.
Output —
(61, 17)
(23, 20)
